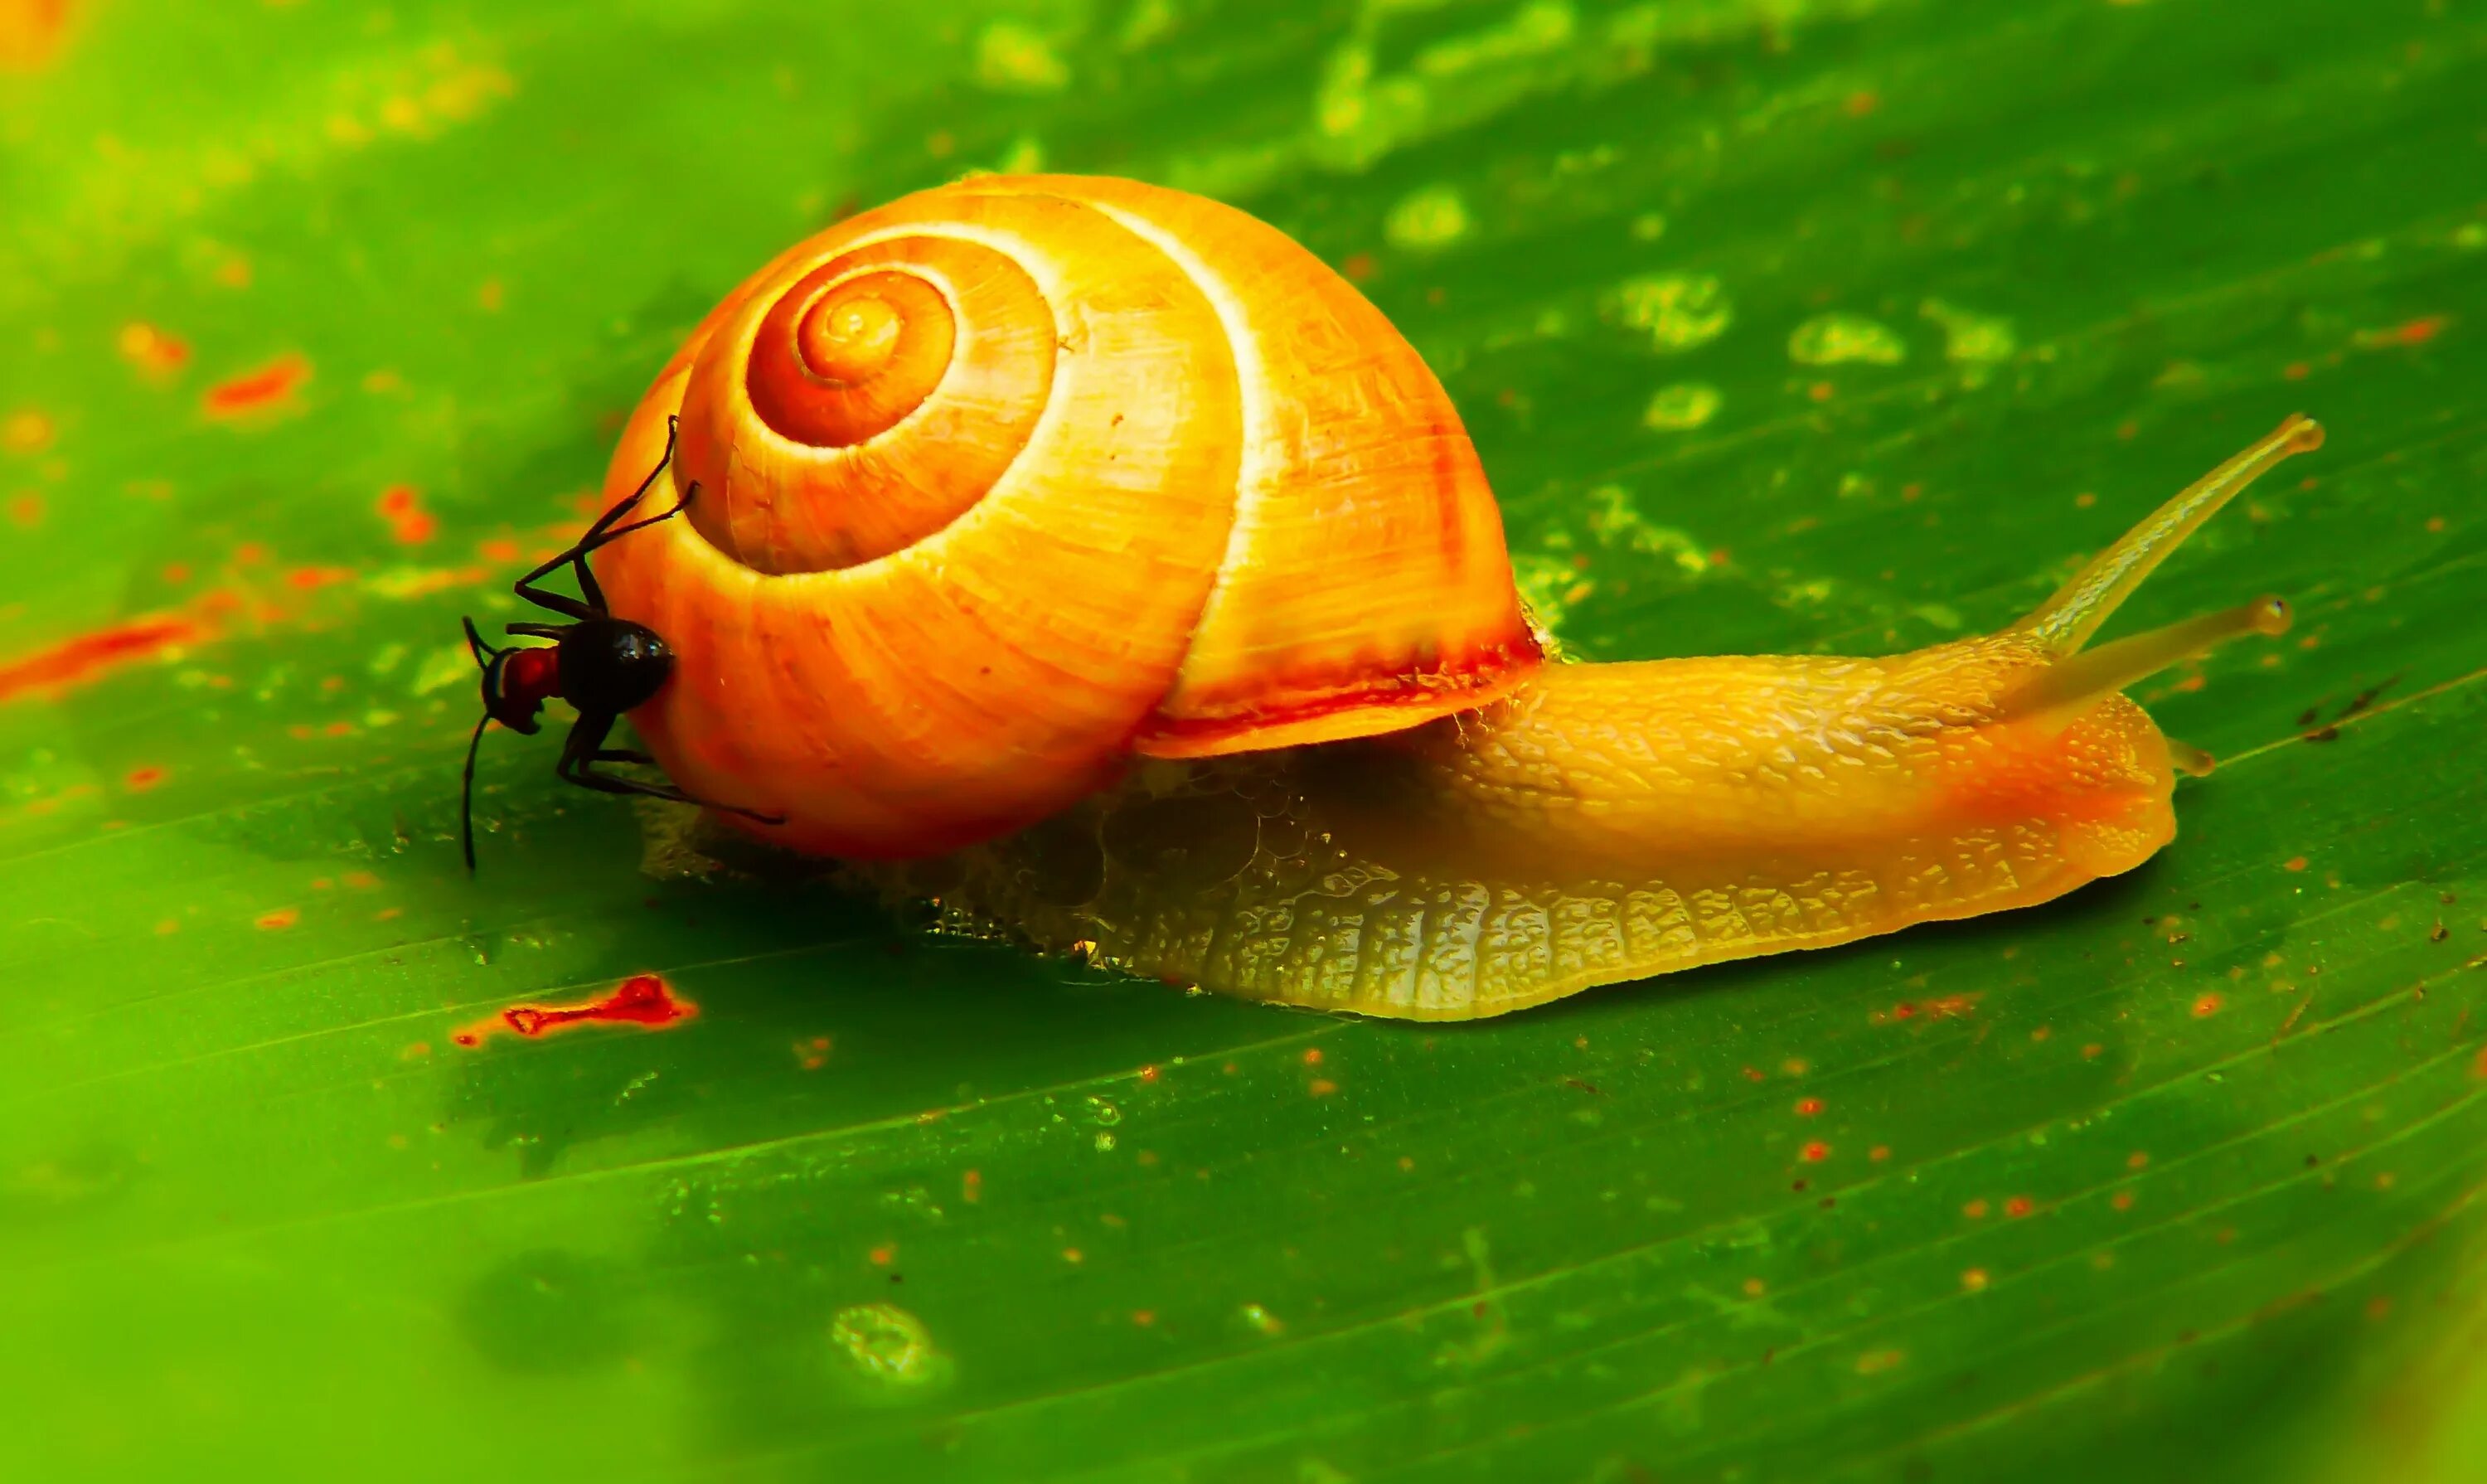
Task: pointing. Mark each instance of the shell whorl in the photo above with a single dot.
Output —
(1007, 481)
(873, 402)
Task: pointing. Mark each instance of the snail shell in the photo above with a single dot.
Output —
(1007, 482)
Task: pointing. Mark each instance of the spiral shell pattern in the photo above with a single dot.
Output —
(1006, 483)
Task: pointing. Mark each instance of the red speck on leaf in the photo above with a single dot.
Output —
(1814, 1153)
(281, 919)
(1943, 1008)
(642, 1000)
(254, 391)
(403, 509)
(31, 32)
(152, 351)
(139, 780)
(88, 656)
(2409, 332)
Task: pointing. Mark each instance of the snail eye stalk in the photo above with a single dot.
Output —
(602, 665)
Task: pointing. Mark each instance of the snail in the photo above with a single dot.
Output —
(1087, 557)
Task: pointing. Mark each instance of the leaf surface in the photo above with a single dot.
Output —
(1848, 325)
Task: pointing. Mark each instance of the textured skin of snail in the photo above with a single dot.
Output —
(1273, 723)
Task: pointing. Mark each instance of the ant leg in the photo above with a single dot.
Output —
(568, 608)
(630, 755)
(585, 748)
(598, 535)
(673, 432)
(553, 632)
(603, 530)
(596, 539)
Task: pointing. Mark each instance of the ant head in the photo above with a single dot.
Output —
(516, 682)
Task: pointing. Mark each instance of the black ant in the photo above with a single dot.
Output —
(601, 664)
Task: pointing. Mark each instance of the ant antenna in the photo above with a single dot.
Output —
(486, 657)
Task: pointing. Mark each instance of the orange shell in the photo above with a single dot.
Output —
(1005, 482)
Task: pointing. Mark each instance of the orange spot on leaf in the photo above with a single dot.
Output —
(270, 386)
(2409, 332)
(1814, 1153)
(403, 509)
(27, 431)
(152, 351)
(281, 919)
(88, 656)
(1947, 1007)
(31, 32)
(140, 779)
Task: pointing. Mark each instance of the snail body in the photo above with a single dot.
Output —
(1208, 664)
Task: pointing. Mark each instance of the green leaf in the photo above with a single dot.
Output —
(1779, 325)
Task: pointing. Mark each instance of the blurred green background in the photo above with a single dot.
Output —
(1780, 323)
